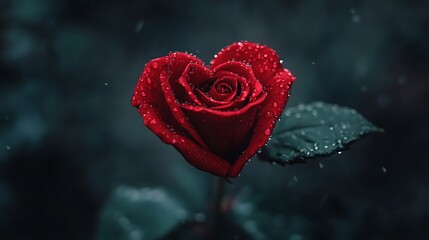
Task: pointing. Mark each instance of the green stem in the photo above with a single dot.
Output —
(217, 207)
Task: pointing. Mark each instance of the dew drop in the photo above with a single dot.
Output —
(261, 70)
(275, 104)
(267, 132)
(268, 114)
(155, 65)
(139, 26)
(149, 80)
(143, 94)
(384, 169)
(106, 84)
(175, 109)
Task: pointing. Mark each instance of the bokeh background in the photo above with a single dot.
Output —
(69, 137)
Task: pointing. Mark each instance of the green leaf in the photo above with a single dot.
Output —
(314, 130)
(134, 214)
(262, 215)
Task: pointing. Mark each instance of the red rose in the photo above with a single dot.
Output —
(217, 117)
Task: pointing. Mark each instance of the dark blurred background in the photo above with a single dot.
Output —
(69, 136)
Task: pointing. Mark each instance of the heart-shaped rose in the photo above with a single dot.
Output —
(217, 117)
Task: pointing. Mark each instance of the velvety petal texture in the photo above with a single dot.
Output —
(217, 117)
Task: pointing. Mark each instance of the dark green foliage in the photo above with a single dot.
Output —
(134, 214)
(314, 130)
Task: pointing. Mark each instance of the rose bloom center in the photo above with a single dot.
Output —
(224, 88)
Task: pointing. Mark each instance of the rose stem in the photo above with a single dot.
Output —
(217, 205)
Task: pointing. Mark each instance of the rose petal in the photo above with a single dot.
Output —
(177, 62)
(240, 69)
(157, 116)
(223, 88)
(153, 91)
(193, 76)
(245, 71)
(193, 153)
(278, 92)
(146, 89)
(223, 99)
(228, 131)
(263, 60)
(165, 79)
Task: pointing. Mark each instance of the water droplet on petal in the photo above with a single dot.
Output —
(275, 104)
(143, 94)
(267, 132)
(175, 109)
(149, 80)
(268, 114)
(155, 65)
